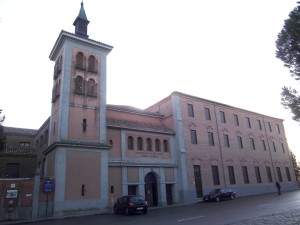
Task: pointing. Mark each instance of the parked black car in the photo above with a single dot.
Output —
(219, 195)
(130, 204)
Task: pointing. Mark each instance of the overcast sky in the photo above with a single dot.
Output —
(219, 50)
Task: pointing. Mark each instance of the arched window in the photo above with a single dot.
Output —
(59, 64)
(130, 143)
(92, 64)
(166, 146)
(80, 61)
(53, 93)
(149, 144)
(57, 89)
(140, 143)
(79, 85)
(57, 67)
(91, 88)
(157, 145)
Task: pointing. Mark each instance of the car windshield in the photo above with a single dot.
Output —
(136, 199)
(215, 191)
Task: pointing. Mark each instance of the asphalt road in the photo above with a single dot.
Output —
(226, 212)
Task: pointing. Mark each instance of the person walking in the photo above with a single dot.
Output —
(278, 187)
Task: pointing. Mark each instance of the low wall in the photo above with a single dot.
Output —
(22, 206)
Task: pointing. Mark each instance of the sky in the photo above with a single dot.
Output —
(219, 50)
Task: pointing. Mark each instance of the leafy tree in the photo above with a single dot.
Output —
(288, 50)
(2, 138)
(2, 118)
(295, 166)
(290, 99)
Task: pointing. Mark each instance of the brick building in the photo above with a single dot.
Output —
(18, 157)
(172, 152)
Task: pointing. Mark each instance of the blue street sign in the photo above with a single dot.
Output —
(48, 185)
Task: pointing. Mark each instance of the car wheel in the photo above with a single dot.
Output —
(145, 211)
(217, 199)
(127, 212)
(115, 210)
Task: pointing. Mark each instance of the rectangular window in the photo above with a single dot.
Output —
(252, 143)
(215, 173)
(226, 140)
(279, 174)
(264, 145)
(259, 124)
(198, 181)
(207, 114)
(84, 125)
(211, 140)
(274, 147)
(282, 147)
(245, 174)
(193, 137)
(240, 141)
(278, 128)
(190, 110)
(132, 189)
(236, 120)
(231, 175)
(257, 173)
(12, 170)
(288, 175)
(269, 174)
(248, 122)
(222, 117)
(270, 126)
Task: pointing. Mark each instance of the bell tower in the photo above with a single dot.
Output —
(77, 156)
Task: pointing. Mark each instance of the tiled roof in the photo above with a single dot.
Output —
(129, 109)
(148, 127)
(19, 131)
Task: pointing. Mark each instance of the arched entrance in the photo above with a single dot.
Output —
(151, 194)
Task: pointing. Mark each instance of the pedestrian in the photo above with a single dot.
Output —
(278, 188)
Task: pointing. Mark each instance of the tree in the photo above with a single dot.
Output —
(295, 166)
(2, 138)
(288, 50)
(2, 118)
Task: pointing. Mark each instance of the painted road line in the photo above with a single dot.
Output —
(189, 219)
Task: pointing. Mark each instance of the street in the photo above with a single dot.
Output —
(240, 211)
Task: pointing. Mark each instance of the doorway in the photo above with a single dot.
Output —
(169, 193)
(151, 194)
(198, 181)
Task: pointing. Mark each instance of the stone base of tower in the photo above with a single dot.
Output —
(80, 172)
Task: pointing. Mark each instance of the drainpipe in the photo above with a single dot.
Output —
(36, 193)
(220, 147)
(272, 163)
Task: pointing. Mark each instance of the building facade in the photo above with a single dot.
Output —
(175, 151)
(18, 155)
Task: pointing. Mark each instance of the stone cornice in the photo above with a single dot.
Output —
(77, 144)
(140, 164)
(66, 35)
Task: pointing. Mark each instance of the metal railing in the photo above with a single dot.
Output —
(17, 149)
